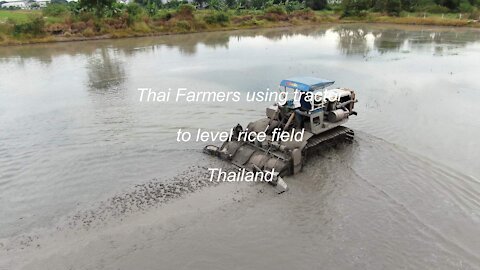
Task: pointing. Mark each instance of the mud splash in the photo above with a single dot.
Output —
(138, 199)
(143, 196)
(368, 205)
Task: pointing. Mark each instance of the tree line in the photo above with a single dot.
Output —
(347, 7)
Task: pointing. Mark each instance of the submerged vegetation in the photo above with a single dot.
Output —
(89, 19)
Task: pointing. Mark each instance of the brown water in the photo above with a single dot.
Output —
(406, 194)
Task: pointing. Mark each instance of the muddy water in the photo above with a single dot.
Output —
(74, 138)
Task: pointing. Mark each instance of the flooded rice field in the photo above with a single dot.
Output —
(91, 178)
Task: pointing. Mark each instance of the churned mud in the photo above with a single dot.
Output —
(138, 199)
(367, 205)
(144, 196)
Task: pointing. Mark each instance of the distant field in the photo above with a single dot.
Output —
(17, 16)
(439, 15)
(22, 28)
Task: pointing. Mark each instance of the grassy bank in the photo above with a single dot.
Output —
(23, 27)
(451, 19)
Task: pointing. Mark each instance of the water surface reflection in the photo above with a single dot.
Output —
(73, 131)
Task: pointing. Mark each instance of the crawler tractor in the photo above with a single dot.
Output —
(305, 104)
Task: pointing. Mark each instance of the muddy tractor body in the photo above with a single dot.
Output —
(307, 116)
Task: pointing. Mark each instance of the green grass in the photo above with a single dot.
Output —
(51, 20)
(433, 15)
(18, 16)
(324, 12)
(70, 26)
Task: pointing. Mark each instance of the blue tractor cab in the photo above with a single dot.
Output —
(306, 84)
(301, 87)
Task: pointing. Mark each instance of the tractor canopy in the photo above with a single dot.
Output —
(306, 84)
